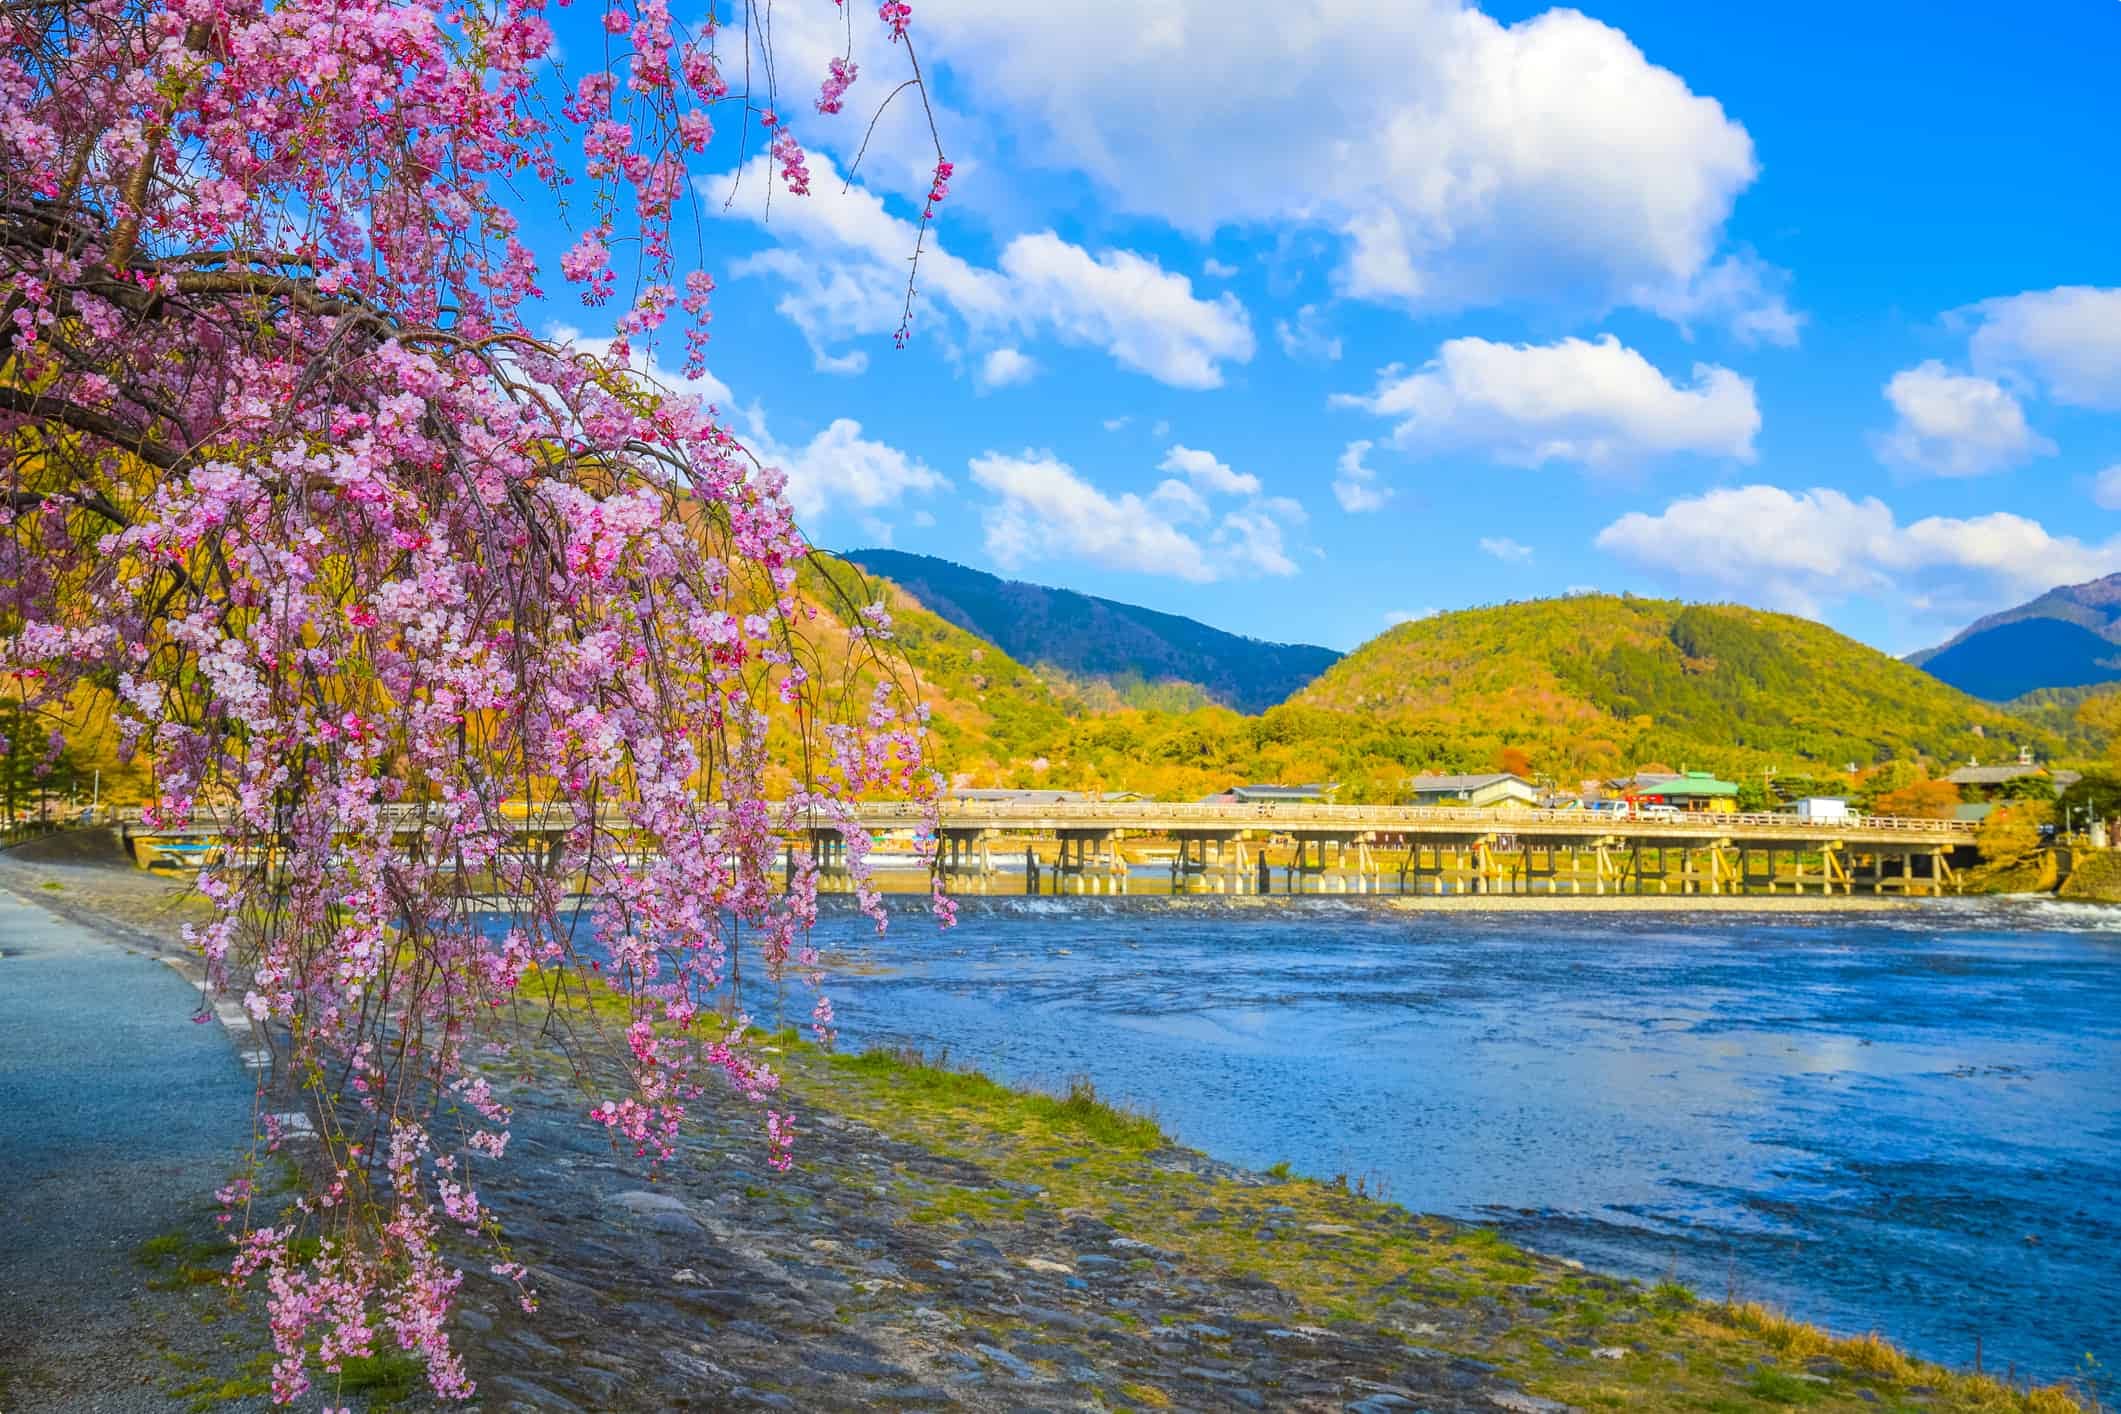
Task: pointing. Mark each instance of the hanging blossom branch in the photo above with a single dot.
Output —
(363, 566)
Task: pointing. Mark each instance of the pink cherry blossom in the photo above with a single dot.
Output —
(416, 607)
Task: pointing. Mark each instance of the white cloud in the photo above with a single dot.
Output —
(1506, 549)
(1180, 502)
(899, 149)
(2106, 488)
(1600, 404)
(1461, 161)
(1203, 470)
(1006, 366)
(1356, 486)
(1216, 270)
(1251, 540)
(1797, 549)
(1955, 424)
(1114, 424)
(1395, 617)
(2068, 338)
(706, 388)
(1044, 509)
(1307, 337)
(848, 279)
(839, 470)
(1743, 291)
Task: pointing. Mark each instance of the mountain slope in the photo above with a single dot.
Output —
(1131, 649)
(2025, 655)
(2094, 605)
(1599, 680)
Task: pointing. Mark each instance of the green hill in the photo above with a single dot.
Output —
(1110, 653)
(1599, 682)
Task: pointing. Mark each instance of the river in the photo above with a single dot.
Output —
(1907, 1121)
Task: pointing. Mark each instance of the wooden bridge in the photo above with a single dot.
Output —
(1440, 849)
(1235, 848)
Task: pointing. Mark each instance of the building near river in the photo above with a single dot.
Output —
(1492, 791)
(1688, 790)
(1978, 782)
(1320, 793)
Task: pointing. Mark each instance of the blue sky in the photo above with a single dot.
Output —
(1304, 319)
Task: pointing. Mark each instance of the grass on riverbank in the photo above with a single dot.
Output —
(1338, 1256)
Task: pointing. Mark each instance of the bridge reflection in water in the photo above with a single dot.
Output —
(1041, 846)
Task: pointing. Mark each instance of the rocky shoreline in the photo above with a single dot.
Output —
(946, 1243)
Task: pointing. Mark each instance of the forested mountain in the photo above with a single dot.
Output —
(1603, 679)
(2068, 637)
(1144, 658)
(1567, 688)
(2026, 655)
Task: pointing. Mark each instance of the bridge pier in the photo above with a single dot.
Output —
(1225, 865)
(1092, 855)
(967, 851)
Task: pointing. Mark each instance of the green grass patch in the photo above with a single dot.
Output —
(1775, 1386)
(386, 1378)
(935, 1084)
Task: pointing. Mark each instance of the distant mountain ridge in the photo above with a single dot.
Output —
(2068, 637)
(1086, 637)
(1606, 679)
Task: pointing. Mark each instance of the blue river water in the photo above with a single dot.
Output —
(1908, 1122)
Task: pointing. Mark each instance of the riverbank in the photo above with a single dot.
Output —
(945, 1242)
(948, 1242)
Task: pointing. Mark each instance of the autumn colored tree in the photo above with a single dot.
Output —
(1515, 760)
(1918, 800)
(360, 562)
(2011, 832)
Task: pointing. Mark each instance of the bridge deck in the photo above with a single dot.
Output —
(1158, 817)
(1405, 822)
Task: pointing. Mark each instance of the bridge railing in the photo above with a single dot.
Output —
(1267, 815)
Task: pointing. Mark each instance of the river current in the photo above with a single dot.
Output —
(1907, 1121)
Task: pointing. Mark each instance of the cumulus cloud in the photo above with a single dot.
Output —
(2106, 488)
(1045, 509)
(1356, 487)
(1956, 424)
(2067, 339)
(842, 264)
(1005, 366)
(1251, 539)
(1306, 336)
(1205, 471)
(706, 388)
(1180, 502)
(1595, 403)
(840, 470)
(1460, 161)
(837, 471)
(1395, 617)
(1743, 291)
(1797, 549)
(1505, 549)
(1216, 270)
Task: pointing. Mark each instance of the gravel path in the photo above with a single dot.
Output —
(118, 1117)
